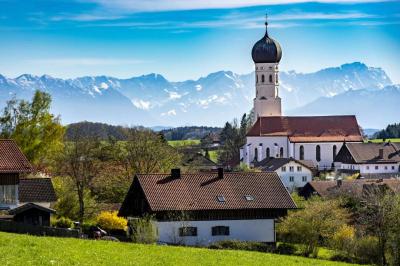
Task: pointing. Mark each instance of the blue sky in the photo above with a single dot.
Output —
(186, 39)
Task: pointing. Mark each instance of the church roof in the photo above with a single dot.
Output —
(309, 128)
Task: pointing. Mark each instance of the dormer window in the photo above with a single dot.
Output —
(221, 198)
(249, 197)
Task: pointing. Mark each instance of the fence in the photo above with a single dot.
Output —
(20, 228)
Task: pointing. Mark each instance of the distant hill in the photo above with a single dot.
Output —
(152, 100)
(184, 133)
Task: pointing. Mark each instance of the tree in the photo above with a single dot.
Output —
(37, 132)
(80, 160)
(319, 220)
(146, 152)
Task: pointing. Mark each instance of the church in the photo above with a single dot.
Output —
(312, 138)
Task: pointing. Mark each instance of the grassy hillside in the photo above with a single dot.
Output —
(31, 250)
(183, 143)
(381, 140)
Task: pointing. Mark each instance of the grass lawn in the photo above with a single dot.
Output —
(31, 250)
(381, 140)
(213, 156)
(183, 143)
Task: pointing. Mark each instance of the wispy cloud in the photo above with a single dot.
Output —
(87, 17)
(169, 5)
(86, 61)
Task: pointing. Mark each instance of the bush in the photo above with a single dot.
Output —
(142, 230)
(242, 245)
(111, 221)
(62, 222)
(286, 249)
(367, 250)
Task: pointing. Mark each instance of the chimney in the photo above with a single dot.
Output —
(220, 173)
(176, 173)
(339, 182)
(381, 153)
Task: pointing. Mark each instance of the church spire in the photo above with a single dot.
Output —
(266, 24)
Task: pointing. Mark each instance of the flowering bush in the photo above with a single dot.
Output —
(111, 221)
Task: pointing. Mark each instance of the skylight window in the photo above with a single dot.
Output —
(221, 198)
(249, 197)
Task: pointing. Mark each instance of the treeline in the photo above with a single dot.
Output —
(391, 131)
(192, 132)
(96, 130)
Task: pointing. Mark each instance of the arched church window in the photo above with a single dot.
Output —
(256, 78)
(281, 152)
(276, 78)
(270, 78)
(334, 152)
(262, 79)
(318, 153)
(267, 154)
(256, 154)
(301, 152)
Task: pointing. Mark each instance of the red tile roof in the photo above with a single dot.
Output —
(12, 160)
(309, 128)
(36, 190)
(200, 191)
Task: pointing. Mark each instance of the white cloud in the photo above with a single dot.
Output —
(87, 17)
(138, 103)
(86, 61)
(169, 113)
(168, 5)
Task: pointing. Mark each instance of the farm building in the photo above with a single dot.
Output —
(202, 208)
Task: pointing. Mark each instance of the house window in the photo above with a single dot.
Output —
(270, 78)
(220, 231)
(291, 168)
(281, 152)
(8, 194)
(367, 167)
(304, 178)
(334, 152)
(386, 167)
(318, 153)
(283, 168)
(376, 167)
(301, 152)
(188, 231)
(267, 153)
(392, 167)
(291, 178)
(262, 79)
(299, 169)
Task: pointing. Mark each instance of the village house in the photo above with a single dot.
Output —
(294, 173)
(205, 207)
(315, 138)
(370, 160)
(356, 187)
(27, 200)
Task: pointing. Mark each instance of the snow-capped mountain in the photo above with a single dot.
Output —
(153, 100)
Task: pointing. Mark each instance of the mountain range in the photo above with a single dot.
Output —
(152, 100)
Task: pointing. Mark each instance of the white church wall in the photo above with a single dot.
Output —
(267, 142)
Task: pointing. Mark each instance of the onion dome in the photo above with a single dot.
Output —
(266, 50)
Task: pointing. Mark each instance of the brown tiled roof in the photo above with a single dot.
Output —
(272, 164)
(200, 191)
(36, 190)
(309, 128)
(369, 152)
(351, 187)
(29, 206)
(12, 160)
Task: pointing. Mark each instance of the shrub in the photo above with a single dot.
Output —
(111, 221)
(62, 222)
(242, 245)
(367, 250)
(143, 230)
(286, 249)
(343, 239)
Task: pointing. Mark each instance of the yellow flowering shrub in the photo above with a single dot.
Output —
(109, 220)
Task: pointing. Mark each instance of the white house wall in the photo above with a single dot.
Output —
(370, 168)
(297, 176)
(260, 230)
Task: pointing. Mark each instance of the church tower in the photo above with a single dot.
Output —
(266, 54)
